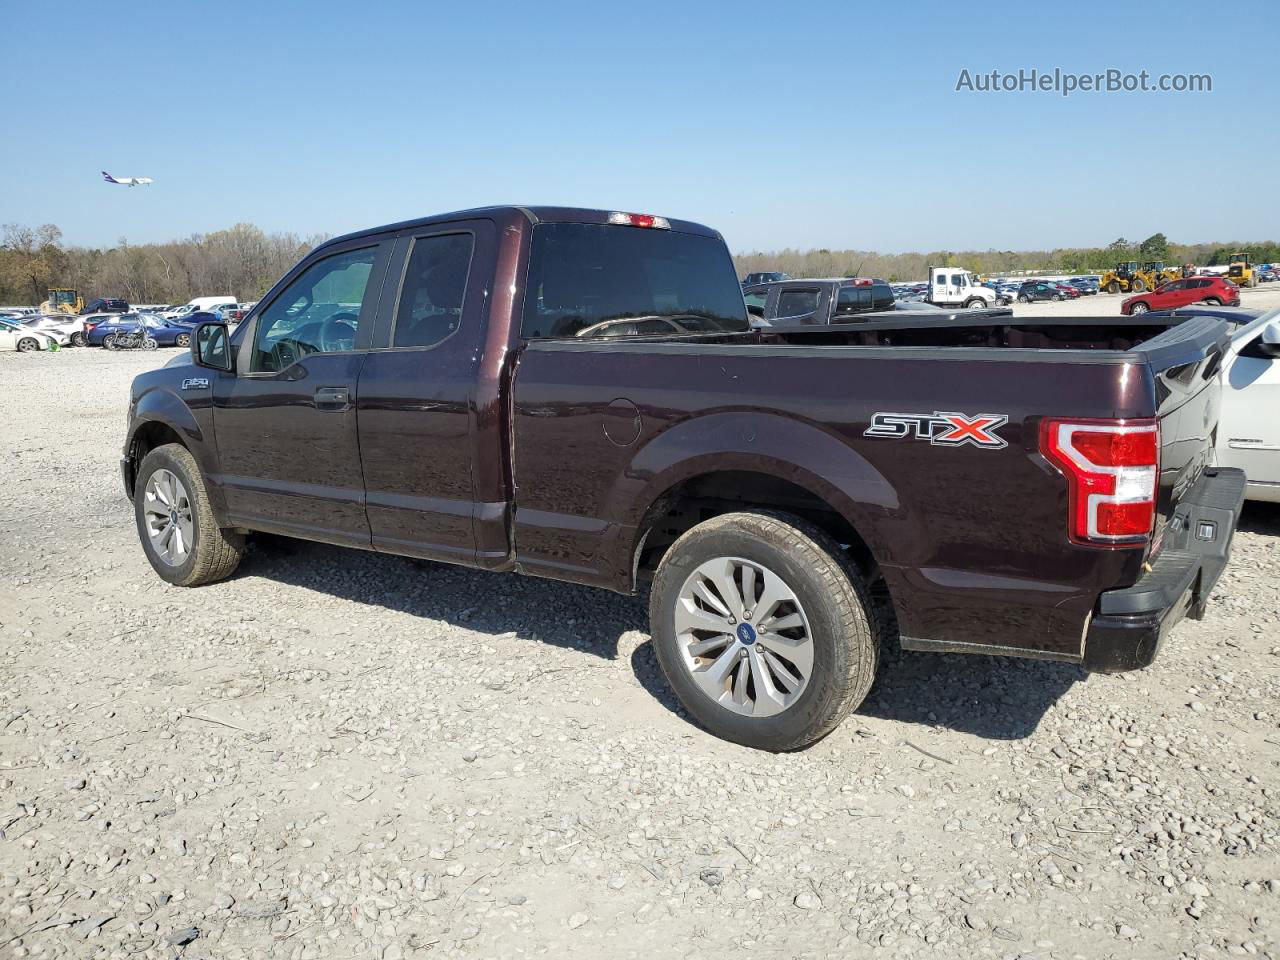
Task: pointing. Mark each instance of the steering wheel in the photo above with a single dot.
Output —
(338, 333)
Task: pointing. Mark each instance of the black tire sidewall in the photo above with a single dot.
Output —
(161, 459)
(830, 662)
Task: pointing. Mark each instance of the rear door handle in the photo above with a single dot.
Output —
(332, 398)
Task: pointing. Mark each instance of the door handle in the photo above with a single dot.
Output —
(332, 398)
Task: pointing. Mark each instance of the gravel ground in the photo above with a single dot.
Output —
(336, 754)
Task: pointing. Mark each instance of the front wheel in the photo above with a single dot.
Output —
(974, 304)
(1139, 286)
(176, 524)
(763, 628)
(1023, 298)
(149, 343)
(1138, 308)
(78, 339)
(1113, 287)
(109, 341)
(1057, 297)
(28, 345)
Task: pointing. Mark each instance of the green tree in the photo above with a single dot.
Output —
(1155, 247)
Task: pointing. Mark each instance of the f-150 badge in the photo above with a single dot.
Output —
(941, 429)
(194, 383)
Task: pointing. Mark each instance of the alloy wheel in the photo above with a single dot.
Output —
(167, 512)
(744, 637)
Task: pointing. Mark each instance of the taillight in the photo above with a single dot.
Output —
(1112, 469)
(639, 220)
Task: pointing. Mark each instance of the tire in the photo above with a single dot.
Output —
(974, 304)
(78, 339)
(838, 629)
(1113, 287)
(212, 553)
(1213, 301)
(28, 345)
(149, 343)
(1057, 298)
(1023, 298)
(1139, 286)
(182, 340)
(1138, 308)
(109, 341)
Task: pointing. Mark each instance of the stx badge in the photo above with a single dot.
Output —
(941, 429)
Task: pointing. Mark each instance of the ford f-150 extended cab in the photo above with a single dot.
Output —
(578, 394)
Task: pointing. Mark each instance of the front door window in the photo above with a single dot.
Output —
(319, 312)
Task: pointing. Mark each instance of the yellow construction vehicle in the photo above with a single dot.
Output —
(1125, 278)
(63, 300)
(1241, 271)
(1156, 273)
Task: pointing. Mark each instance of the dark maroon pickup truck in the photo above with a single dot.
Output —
(578, 394)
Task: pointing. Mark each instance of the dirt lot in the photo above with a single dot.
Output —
(336, 754)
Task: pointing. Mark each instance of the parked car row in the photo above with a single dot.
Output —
(29, 333)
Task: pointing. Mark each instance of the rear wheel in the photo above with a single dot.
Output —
(183, 340)
(28, 345)
(109, 341)
(1213, 301)
(763, 628)
(1057, 296)
(175, 522)
(1137, 308)
(1023, 298)
(1113, 287)
(1139, 286)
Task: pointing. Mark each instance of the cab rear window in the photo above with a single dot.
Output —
(601, 280)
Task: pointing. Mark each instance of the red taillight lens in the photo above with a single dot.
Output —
(1111, 468)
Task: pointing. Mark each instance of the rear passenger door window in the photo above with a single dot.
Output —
(797, 303)
(429, 310)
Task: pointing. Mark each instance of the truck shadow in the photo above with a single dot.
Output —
(997, 698)
(991, 697)
(564, 615)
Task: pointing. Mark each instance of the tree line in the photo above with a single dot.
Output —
(243, 262)
(896, 267)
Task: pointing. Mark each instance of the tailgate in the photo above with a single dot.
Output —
(1185, 362)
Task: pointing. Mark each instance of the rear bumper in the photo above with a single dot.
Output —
(1129, 625)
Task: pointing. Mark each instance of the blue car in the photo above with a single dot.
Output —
(166, 333)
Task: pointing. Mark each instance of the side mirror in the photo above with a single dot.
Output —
(211, 347)
(1269, 342)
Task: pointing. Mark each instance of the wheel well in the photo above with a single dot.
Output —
(703, 497)
(150, 435)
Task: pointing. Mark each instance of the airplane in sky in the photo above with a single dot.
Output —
(126, 181)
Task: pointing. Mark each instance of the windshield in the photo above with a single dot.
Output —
(582, 276)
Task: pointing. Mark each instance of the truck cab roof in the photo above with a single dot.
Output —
(529, 214)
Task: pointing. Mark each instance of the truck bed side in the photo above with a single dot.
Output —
(618, 446)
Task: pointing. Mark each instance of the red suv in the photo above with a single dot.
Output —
(1180, 293)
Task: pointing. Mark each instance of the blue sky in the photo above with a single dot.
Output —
(803, 125)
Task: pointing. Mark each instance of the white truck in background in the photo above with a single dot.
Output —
(953, 287)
